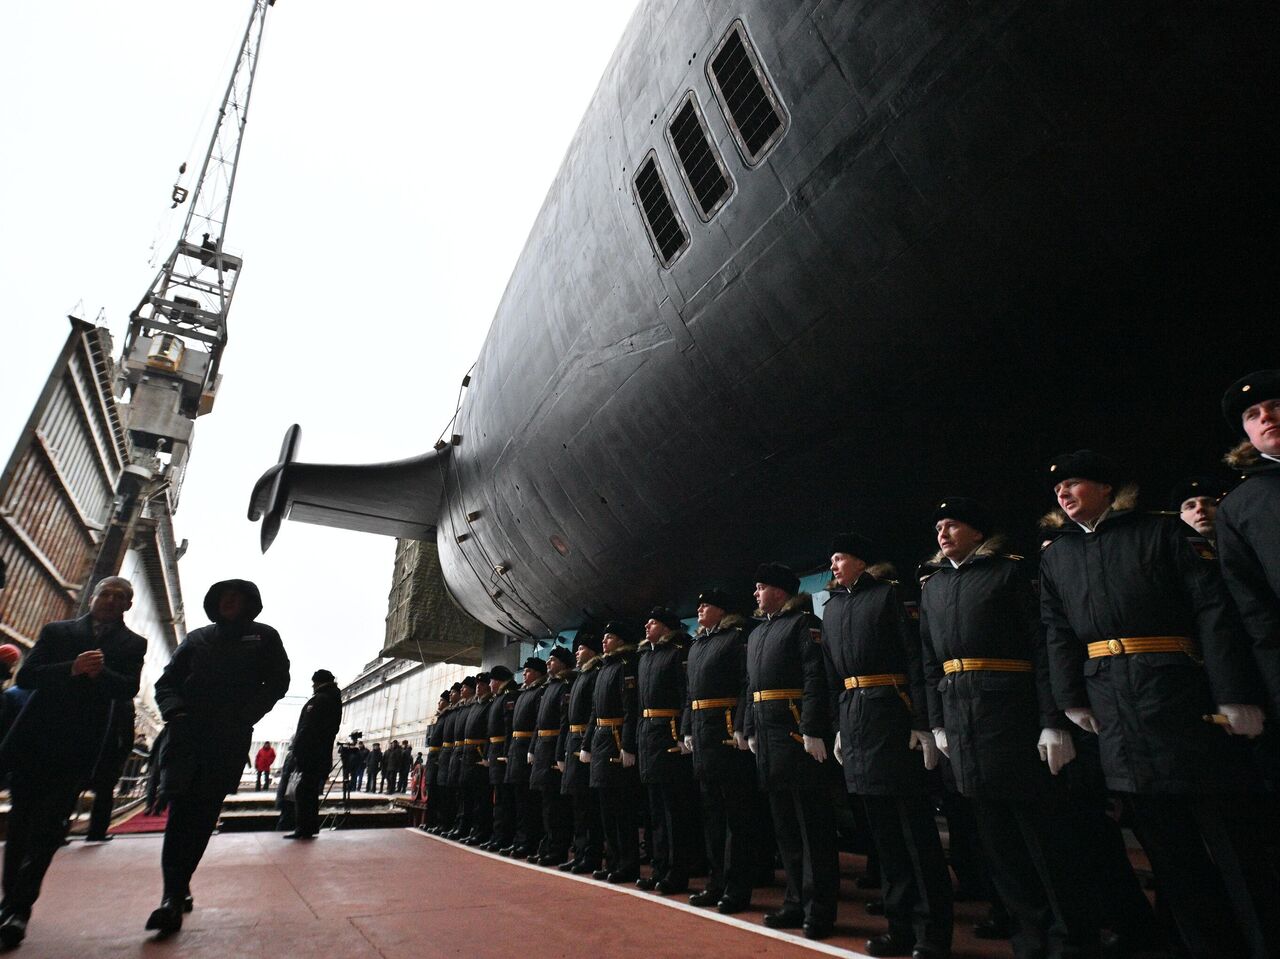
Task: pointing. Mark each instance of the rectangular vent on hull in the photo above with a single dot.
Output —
(749, 104)
(666, 231)
(700, 166)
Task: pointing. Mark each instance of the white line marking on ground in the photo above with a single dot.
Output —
(649, 897)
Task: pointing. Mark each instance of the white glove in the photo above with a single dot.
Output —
(1082, 716)
(628, 759)
(584, 756)
(529, 756)
(686, 745)
(1242, 720)
(839, 753)
(751, 744)
(1056, 749)
(559, 766)
(815, 747)
(940, 740)
(484, 762)
(924, 742)
(740, 741)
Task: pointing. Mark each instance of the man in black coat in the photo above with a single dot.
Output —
(499, 717)
(713, 728)
(666, 771)
(391, 766)
(877, 684)
(1249, 528)
(992, 713)
(524, 725)
(789, 729)
(435, 733)
(609, 749)
(477, 794)
(372, 766)
(78, 671)
(313, 751)
(221, 680)
(575, 778)
(545, 767)
(1145, 650)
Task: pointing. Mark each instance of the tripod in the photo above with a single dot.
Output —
(335, 820)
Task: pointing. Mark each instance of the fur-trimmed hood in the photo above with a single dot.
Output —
(731, 621)
(881, 572)
(540, 681)
(677, 637)
(1125, 499)
(620, 651)
(800, 602)
(995, 546)
(592, 663)
(1246, 458)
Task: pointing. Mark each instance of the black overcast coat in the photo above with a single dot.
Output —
(524, 719)
(449, 726)
(501, 712)
(317, 726)
(435, 742)
(1248, 529)
(718, 670)
(576, 779)
(784, 652)
(553, 710)
(221, 680)
(987, 609)
(1137, 575)
(477, 732)
(864, 633)
(614, 696)
(67, 718)
(662, 684)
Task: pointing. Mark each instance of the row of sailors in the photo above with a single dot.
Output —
(1133, 639)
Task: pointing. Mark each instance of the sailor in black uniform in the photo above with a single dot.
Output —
(789, 729)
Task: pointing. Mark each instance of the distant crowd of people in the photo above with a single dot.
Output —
(397, 765)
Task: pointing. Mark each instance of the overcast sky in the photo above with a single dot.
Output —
(396, 155)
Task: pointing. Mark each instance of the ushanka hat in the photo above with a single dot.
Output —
(588, 638)
(775, 574)
(534, 663)
(853, 544)
(716, 597)
(665, 616)
(1257, 387)
(501, 673)
(618, 628)
(1193, 486)
(1082, 464)
(562, 653)
(469, 681)
(965, 510)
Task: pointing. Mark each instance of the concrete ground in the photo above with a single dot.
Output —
(380, 894)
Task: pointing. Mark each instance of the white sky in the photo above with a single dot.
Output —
(397, 153)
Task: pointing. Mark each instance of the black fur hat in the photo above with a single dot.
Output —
(1245, 392)
(666, 617)
(717, 597)
(534, 663)
(854, 544)
(775, 574)
(1082, 464)
(963, 509)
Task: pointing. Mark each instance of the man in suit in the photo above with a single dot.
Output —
(313, 751)
(76, 671)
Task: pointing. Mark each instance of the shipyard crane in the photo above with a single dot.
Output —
(168, 373)
(172, 352)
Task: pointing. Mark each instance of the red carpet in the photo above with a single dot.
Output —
(140, 822)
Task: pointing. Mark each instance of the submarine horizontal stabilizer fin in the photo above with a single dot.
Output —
(400, 498)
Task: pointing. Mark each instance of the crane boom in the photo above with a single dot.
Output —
(173, 348)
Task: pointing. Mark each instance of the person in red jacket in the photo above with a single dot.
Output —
(262, 764)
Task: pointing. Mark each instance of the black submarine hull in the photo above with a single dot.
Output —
(989, 232)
